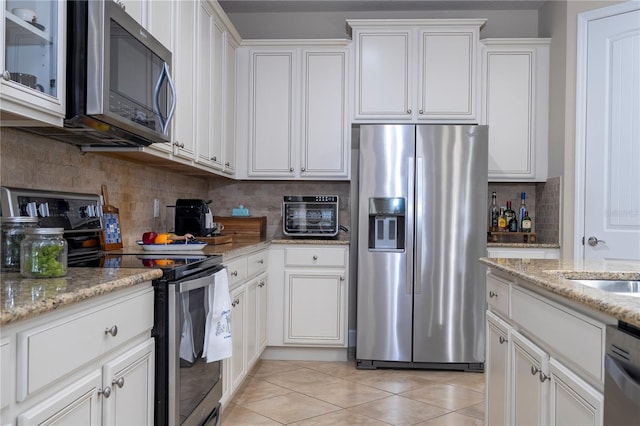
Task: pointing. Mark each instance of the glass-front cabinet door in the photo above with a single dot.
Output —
(32, 82)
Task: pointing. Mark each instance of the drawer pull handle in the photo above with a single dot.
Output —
(493, 294)
(235, 303)
(234, 273)
(112, 331)
(261, 261)
(315, 257)
(106, 392)
(118, 382)
(502, 340)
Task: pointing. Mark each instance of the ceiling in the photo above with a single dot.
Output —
(280, 6)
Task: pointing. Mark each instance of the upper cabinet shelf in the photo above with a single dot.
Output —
(23, 33)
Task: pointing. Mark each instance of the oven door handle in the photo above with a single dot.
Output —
(196, 283)
(627, 385)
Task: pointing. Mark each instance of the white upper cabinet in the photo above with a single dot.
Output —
(292, 106)
(416, 70)
(515, 101)
(32, 63)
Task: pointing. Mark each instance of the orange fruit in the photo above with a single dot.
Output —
(162, 239)
(164, 262)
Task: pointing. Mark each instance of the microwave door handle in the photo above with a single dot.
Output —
(164, 122)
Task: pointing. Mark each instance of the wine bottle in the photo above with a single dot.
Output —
(522, 210)
(502, 221)
(494, 213)
(512, 220)
(526, 223)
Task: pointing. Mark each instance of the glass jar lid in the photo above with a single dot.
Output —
(44, 231)
(19, 219)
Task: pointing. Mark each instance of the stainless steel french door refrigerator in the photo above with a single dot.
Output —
(421, 229)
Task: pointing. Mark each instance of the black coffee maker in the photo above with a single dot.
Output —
(193, 217)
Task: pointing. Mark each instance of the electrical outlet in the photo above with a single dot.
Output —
(156, 207)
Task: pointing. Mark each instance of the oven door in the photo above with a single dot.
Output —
(194, 386)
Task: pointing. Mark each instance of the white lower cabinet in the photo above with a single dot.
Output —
(308, 296)
(530, 381)
(247, 283)
(87, 364)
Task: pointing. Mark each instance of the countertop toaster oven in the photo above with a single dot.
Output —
(310, 215)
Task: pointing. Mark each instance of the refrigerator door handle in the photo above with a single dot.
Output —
(410, 223)
(418, 223)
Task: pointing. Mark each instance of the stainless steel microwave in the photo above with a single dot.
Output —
(310, 215)
(120, 90)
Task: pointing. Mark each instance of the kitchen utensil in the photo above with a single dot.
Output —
(111, 234)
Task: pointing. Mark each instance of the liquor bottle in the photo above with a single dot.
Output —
(522, 210)
(512, 220)
(526, 222)
(502, 221)
(494, 213)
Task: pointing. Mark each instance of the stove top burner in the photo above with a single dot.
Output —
(174, 266)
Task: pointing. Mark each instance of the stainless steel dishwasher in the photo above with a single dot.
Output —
(622, 375)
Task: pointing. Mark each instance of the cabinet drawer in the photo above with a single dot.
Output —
(256, 263)
(315, 256)
(80, 338)
(498, 294)
(237, 270)
(578, 340)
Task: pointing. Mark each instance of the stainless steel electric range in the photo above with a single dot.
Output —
(187, 389)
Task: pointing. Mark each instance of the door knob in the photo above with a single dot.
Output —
(594, 241)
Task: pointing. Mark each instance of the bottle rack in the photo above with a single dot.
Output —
(525, 237)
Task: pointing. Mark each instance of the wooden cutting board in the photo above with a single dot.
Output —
(218, 239)
(111, 234)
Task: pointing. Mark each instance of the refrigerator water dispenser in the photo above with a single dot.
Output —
(387, 224)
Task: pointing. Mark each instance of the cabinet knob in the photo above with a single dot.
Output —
(112, 331)
(119, 382)
(543, 377)
(106, 392)
(6, 75)
(493, 294)
(421, 112)
(261, 261)
(341, 278)
(315, 257)
(235, 303)
(408, 111)
(214, 158)
(290, 169)
(534, 370)
(502, 340)
(227, 164)
(262, 284)
(234, 274)
(303, 169)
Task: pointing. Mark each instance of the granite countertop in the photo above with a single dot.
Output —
(23, 298)
(555, 276)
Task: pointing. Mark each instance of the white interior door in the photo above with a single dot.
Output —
(609, 178)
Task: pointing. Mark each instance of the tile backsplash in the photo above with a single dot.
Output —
(32, 161)
(265, 198)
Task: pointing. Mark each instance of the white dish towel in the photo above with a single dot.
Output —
(217, 334)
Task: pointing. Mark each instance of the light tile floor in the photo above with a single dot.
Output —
(336, 393)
